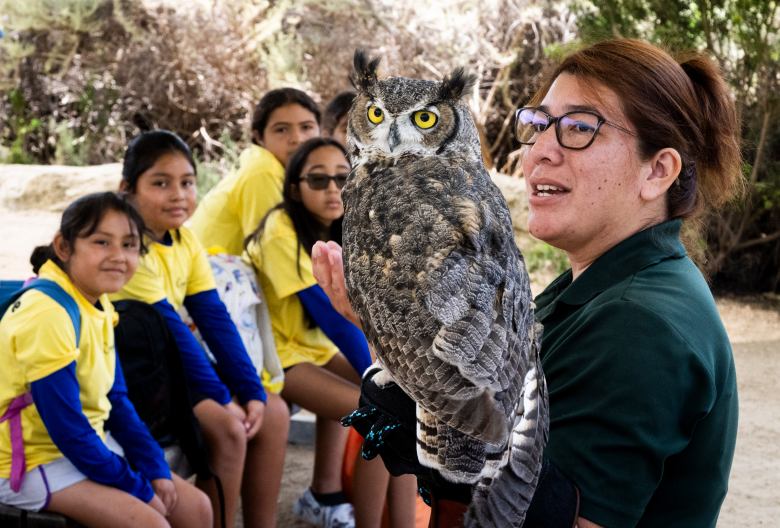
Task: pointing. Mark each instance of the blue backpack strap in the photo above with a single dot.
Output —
(55, 291)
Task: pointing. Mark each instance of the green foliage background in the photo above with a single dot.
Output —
(78, 77)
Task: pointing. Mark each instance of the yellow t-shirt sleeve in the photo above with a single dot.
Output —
(257, 191)
(147, 284)
(201, 277)
(281, 264)
(44, 336)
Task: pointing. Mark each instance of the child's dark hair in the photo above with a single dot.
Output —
(337, 108)
(276, 99)
(81, 218)
(307, 228)
(145, 149)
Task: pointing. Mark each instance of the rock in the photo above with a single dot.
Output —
(53, 187)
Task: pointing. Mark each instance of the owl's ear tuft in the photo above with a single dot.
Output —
(458, 84)
(364, 74)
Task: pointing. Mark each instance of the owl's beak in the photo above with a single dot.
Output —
(394, 138)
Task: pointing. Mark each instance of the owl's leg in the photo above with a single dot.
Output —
(457, 456)
(382, 378)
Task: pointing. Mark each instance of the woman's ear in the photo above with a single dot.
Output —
(61, 247)
(124, 187)
(659, 173)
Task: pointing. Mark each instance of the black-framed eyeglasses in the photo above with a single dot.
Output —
(319, 181)
(574, 130)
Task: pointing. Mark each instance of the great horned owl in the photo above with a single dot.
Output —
(441, 289)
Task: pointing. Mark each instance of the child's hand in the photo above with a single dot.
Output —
(236, 410)
(165, 490)
(255, 410)
(328, 267)
(158, 505)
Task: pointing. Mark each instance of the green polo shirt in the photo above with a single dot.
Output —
(643, 394)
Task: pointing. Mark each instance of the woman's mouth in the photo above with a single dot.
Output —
(547, 190)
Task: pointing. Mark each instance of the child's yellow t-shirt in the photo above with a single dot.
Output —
(37, 338)
(170, 272)
(274, 258)
(232, 210)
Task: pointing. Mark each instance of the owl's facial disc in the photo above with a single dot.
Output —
(396, 134)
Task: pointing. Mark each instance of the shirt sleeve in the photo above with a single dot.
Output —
(288, 269)
(56, 398)
(345, 335)
(201, 277)
(628, 402)
(220, 333)
(255, 193)
(43, 348)
(197, 369)
(141, 450)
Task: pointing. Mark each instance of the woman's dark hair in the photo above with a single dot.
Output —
(276, 99)
(337, 108)
(145, 149)
(81, 218)
(307, 228)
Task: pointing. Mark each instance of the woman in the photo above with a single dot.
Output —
(623, 145)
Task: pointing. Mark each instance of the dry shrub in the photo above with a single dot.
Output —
(85, 81)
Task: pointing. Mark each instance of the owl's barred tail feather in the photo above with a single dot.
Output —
(504, 500)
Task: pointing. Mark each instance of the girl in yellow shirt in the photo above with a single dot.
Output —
(282, 120)
(324, 354)
(244, 428)
(73, 443)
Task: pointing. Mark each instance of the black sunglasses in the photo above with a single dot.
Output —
(319, 181)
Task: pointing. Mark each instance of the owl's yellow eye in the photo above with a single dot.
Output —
(424, 119)
(375, 114)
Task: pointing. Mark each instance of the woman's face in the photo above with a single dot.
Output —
(105, 260)
(583, 201)
(325, 204)
(165, 194)
(287, 127)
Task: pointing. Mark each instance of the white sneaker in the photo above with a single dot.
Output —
(307, 509)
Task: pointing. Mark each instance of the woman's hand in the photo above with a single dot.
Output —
(328, 268)
(165, 491)
(255, 410)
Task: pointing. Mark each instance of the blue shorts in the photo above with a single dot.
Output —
(41, 482)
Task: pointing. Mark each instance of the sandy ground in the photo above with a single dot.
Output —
(753, 325)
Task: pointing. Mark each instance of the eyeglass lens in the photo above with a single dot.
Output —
(574, 129)
(319, 181)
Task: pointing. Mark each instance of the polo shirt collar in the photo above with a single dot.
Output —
(633, 254)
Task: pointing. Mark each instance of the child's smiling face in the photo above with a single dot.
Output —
(105, 260)
(166, 194)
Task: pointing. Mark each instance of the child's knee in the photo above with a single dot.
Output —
(276, 411)
(232, 438)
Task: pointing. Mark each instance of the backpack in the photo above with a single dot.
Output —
(155, 381)
(50, 288)
(12, 413)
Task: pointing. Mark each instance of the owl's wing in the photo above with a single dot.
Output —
(480, 297)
